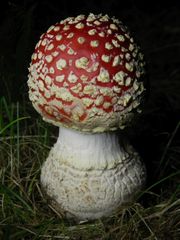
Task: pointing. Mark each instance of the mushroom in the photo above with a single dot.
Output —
(86, 77)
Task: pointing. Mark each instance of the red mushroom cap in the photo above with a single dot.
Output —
(86, 73)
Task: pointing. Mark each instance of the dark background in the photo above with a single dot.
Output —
(155, 26)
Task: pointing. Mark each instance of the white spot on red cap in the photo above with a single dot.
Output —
(94, 43)
(84, 78)
(93, 67)
(115, 43)
(116, 89)
(99, 100)
(120, 37)
(109, 31)
(64, 94)
(79, 25)
(56, 28)
(60, 78)
(51, 70)
(119, 77)
(103, 76)
(58, 37)
(34, 56)
(113, 26)
(44, 42)
(55, 53)
(82, 62)
(49, 58)
(92, 32)
(97, 22)
(39, 55)
(41, 85)
(104, 18)
(101, 34)
(89, 89)
(62, 47)
(77, 112)
(70, 51)
(116, 61)
(77, 88)
(61, 63)
(91, 17)
(48, 109)
(131, 47)
(47, 93)
(128, 56)
(80, 17)
(87, 101)
(50, 28)
(72, 77)
(106, 91)
(70, 35)
(106, 58)
(48, 80)
(108, 46)
(126, 99)
(45, 70)
(129, 66)
(81, 40)
(106, 105)
(135, 85)
(128, 81)
(66, 27)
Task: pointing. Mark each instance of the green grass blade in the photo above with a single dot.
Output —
(158, 182)
(168, 145)
(12, 123)
(13, 195)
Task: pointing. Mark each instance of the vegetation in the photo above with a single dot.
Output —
(25, 139)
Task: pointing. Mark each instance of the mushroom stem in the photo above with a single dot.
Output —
(90, 175)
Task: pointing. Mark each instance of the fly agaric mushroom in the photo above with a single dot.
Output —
(86, 77)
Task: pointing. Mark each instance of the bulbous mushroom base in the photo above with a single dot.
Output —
(90, 176)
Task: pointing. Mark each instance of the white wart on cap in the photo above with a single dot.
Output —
(87, 73)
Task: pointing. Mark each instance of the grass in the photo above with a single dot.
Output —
(25, 140)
